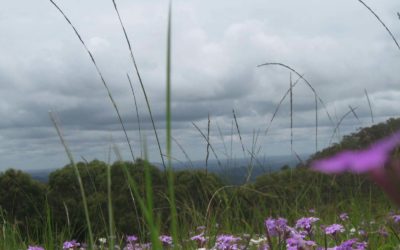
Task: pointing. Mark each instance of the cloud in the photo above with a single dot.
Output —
(339, 47)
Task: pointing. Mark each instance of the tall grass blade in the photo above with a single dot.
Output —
(249, 167)
(228, 157)
(150, 200)
(238, 130)
(67, 214)
(137, 116)
(252, 154)
(298, 158)
(168, 89)
(171, 192)
(109, 151)
(291, 112)
(208, 144)
(70, 157)
(369, 105)
(316, 123)
(183, 151)
(211, 147)
(231, 145)
(306, 81)
(279, 105)
(50, 244)
(100, 75)
(145, 207)
(118, 155)
(93, 185)
(117, 152)
(141, 84)
(380, 20)
(259, 163)
(112, 237)
(339, 123)
(223, 140)
(354, 113)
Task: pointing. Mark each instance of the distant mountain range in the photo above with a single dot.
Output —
(233, 171)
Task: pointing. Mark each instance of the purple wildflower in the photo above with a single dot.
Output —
(71, 244)
(129, 246)
(276, 227)
(297, 241)
(166, 240)
(396, 218)
(361, 245)
(352, 244)
(334, 229)
(347, 245)
(137, 246)
(131, 238)
(344, 216)
(306, 223)
(362, 233)
(227, 242)
(35, 248)
(383, 232)
(362, 161)
(200, 239)
(372, 160)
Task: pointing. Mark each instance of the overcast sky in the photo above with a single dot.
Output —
(338, 45)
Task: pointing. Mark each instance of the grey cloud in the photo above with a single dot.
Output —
(339, 46)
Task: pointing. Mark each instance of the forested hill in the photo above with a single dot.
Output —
(24, 200)
(360, 139)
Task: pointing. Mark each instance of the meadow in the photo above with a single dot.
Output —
(337, 199)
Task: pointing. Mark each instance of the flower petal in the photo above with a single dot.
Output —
(361, 161)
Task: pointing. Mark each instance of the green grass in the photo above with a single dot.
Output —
(235, 209)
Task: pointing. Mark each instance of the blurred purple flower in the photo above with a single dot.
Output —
(137, 246)
(200, 239)
(129, 246)
(166, 240)
(306, 223)
(296, 241)
(35, 248)
(374, 157)
(374, 160)
(383, 232)
(70, 244)
(344, 216)
(227, 242)
(131, 238)
(276, 227)
(362, 233)
(396, 218)
(352, 244)
(334, 229)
